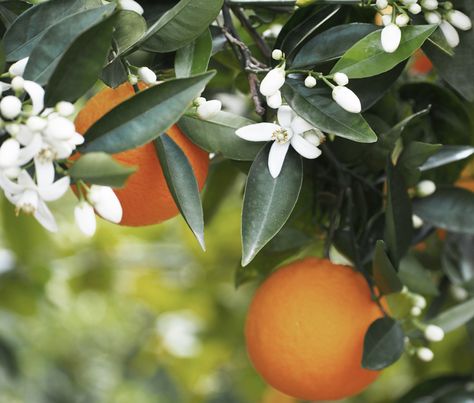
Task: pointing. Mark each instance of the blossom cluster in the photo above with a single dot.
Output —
(35, 146)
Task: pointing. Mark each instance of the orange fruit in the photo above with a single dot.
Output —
(145, 198)
(305, 330)
(378, 17)
(421, 64)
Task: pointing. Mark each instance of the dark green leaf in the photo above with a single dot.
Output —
(268, 202)
(80, 66)
(46, 55)
(385, 275)
(367, 57)
(448, 208)
(447, 155)
(145, 116)
(29, 27)
(182, 184)
(217, 135)
(101, 169)
(114, 74)
(413, 156)
(416, 277)
(318, 108)
(455, 317)
(194, 57)
(129, 29)
(10, 10)
(383, 344)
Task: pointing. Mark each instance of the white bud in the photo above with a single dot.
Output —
(381, 4)
(409, 2)
(200, 101)
(425, 188)
(106, 203)
(310, 82)
(386, 19)
(130, 5)
(60, 128)
(18, 68)
(273, 81)
(341, 79)
(274, 101)
(346, 99)
(85, 218)
(415, 311)
(147, 75)
(65, 108)
(391, 37)
(338, 258)
(402, 20)
(36, 124)
(459, 293)
(18, 83)
(209, 109)
(425, 354)
(433, 17)
(450, 33)
(277, 54)
(133, 79)
(9, 152)
(416, 221)
(414, 8)
(10, 107)
(429, 4)
(434, 333)
(459, 20)
(419, 301)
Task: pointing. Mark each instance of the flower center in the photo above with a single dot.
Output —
(47, 155)
(281, 136)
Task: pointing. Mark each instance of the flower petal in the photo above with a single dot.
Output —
(18, 68)
(36, 93)
(56, 190)
(257, 132)
(304, 147)
(285, 116)
(44, 172)
(85, 218)
(299, 125)
(273, 81)
(45, 217)
(276, 158)
(27, 153)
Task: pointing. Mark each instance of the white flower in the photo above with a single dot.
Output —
(65, 108)
(429, 4)
(433, 17)
(434, 333)
(209, 109)
(273, 81)
(106, 203)
(130, 5)
(292, 130)
(417, 222)
(425, 188)
(414, 8)
(147, 75)
(274, 101)
(9, 153)
(85, 218)
(10, 107)
(277, 54)
(425, 354)
(415, 311)
(36, 123)
(391, 37)
(18, 68)
(450, 33)
(402, 20)
(341, 79)
(460, 20)
(381, 4)
(310, 82)
(346, 99)
(34, 91)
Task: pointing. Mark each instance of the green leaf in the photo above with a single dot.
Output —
(448, 208)
(455, 317)
(416, 277)
(10, 10)
(398, 216)
(383, 344)
(182, 184)
(181, 25)
(268, 201)
(129, 29)
(145, 116)
(46, 55)
(114, 74)
(318, 108)
(330, 44)
(194, 57)
(413, 156)
(81, 65)
(438, 40)
(101, 169)
(367, 57)
(26, 31)
(447, 155)
(385, 274)
(217, 135)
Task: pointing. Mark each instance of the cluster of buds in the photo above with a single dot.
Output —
(207, 109)
(275, 79)
(424, 188)
(399, 15)
(36, 143)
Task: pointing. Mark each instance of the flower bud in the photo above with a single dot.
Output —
(10, 107)
(9, 152)
(277, 54)
(274, 101)
(85, 218)
(338, 258)
(65, 108)
(209, 109)
(200, 101)
(433, 17)
(18, 84)
(429, 4)
(391, 37)
(459, 293)
(60, 128)
(386, 19)
(458, 19)
(417, 222)
(425, 354)
(346, 99)
(106, 203)
(425, 188)
(131, 5)
(18, 68)
(36, 124)
(402, 20)
(310, 82)
(434, 333)
(341, 79)
(273, 81)
(419, 301)
(147, 75)
(414, 8)
(381, 4)
(133, 79)
(450, 33)
(415, 311)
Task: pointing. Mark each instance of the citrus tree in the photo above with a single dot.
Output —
(352, 122)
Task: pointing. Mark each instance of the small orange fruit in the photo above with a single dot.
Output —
(305, 330)
(145, 198)
(420, 64)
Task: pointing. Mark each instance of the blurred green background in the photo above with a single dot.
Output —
(142, 315)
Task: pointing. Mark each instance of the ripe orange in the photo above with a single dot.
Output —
(420, 64)
(146, 198)
(305, 330)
